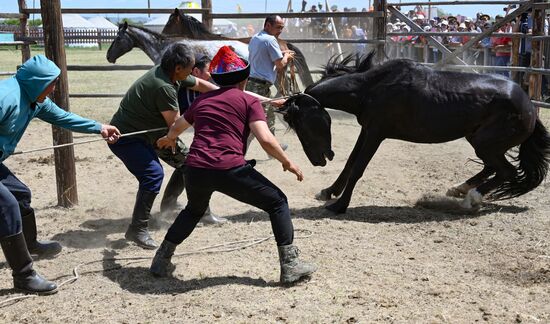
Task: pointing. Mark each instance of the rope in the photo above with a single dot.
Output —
(217, 248)
(123, 135)
(88, 141)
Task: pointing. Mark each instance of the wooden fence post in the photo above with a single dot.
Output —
(535, 79)
(25, 48)
(54, 43)
(515, 59)
(380, 28)
(206, 17)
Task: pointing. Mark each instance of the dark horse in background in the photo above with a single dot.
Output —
(405, 100)
(153, 44)
(181, 25)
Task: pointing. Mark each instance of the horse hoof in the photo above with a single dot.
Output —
(324, 195)
(472, 201)
(455, 192)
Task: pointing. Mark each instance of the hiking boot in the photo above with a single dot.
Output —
(292, 269)
(162, 264)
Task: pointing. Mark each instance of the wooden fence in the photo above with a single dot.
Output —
(95, 37)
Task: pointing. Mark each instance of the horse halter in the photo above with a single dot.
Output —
(311, 97)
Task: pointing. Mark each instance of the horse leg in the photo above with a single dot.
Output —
(338, 186)
(460, 190)
(363, 156)
(504, 171)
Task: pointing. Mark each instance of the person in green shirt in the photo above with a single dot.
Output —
(150, 103)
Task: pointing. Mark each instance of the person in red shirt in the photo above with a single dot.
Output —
(503, 51)
(222, 120)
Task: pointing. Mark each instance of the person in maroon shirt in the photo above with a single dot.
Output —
(222, 120)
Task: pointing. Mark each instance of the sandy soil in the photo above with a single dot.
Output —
(385, 260)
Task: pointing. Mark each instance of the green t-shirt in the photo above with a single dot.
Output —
(141, 107)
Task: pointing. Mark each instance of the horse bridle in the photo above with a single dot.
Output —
(310, 96)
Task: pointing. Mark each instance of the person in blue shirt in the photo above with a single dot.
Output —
(266, 58)
(22, 98)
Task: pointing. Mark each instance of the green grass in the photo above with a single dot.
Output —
(111, 82)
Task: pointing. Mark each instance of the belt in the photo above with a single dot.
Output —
(260, 81)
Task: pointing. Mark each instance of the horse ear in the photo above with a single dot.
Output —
(176, 12)
(125, 26)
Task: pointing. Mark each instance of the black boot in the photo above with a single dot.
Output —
(138, 230)
(293, 269)
(42, 249)
(162, 262)
(20, 261)
(173, 190)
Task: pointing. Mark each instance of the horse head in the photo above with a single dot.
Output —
(182, 25)
(311, 122)
(174, 26)
(122, 44)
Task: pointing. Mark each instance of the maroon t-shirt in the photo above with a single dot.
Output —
(221, 119)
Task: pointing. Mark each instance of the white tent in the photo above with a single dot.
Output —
(76, 21)
(100, 22)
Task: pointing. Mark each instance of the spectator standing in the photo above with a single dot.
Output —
(266, 58)
(502, 47)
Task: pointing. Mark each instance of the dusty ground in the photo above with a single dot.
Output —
(385, 260)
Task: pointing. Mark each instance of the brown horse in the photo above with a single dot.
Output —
(181, 25)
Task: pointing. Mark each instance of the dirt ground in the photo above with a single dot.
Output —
(385, 260)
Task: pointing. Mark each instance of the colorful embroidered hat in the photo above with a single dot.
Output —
(227, 68)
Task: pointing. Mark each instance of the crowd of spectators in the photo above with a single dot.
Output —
(494, 50)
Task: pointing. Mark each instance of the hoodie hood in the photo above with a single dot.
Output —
(35, 75)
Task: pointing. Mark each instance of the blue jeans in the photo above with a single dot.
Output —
(141, 160)
(502, 61)
(15, 198)
(244, 184)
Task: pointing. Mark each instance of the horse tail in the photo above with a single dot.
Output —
(301, 65)
(532, 165)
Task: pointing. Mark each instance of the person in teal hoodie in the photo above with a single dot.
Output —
(22, 98)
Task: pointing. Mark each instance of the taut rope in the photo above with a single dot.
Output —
(123, 135)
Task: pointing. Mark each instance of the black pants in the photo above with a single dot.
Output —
(15, 200)
(242, 183)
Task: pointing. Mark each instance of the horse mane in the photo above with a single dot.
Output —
(145, 30)
(338, 65)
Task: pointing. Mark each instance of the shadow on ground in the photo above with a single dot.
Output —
(93, 233)
(139, 280)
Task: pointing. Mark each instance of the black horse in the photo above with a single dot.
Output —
(405, 100)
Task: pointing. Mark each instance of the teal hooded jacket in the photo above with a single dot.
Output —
(17, 95)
